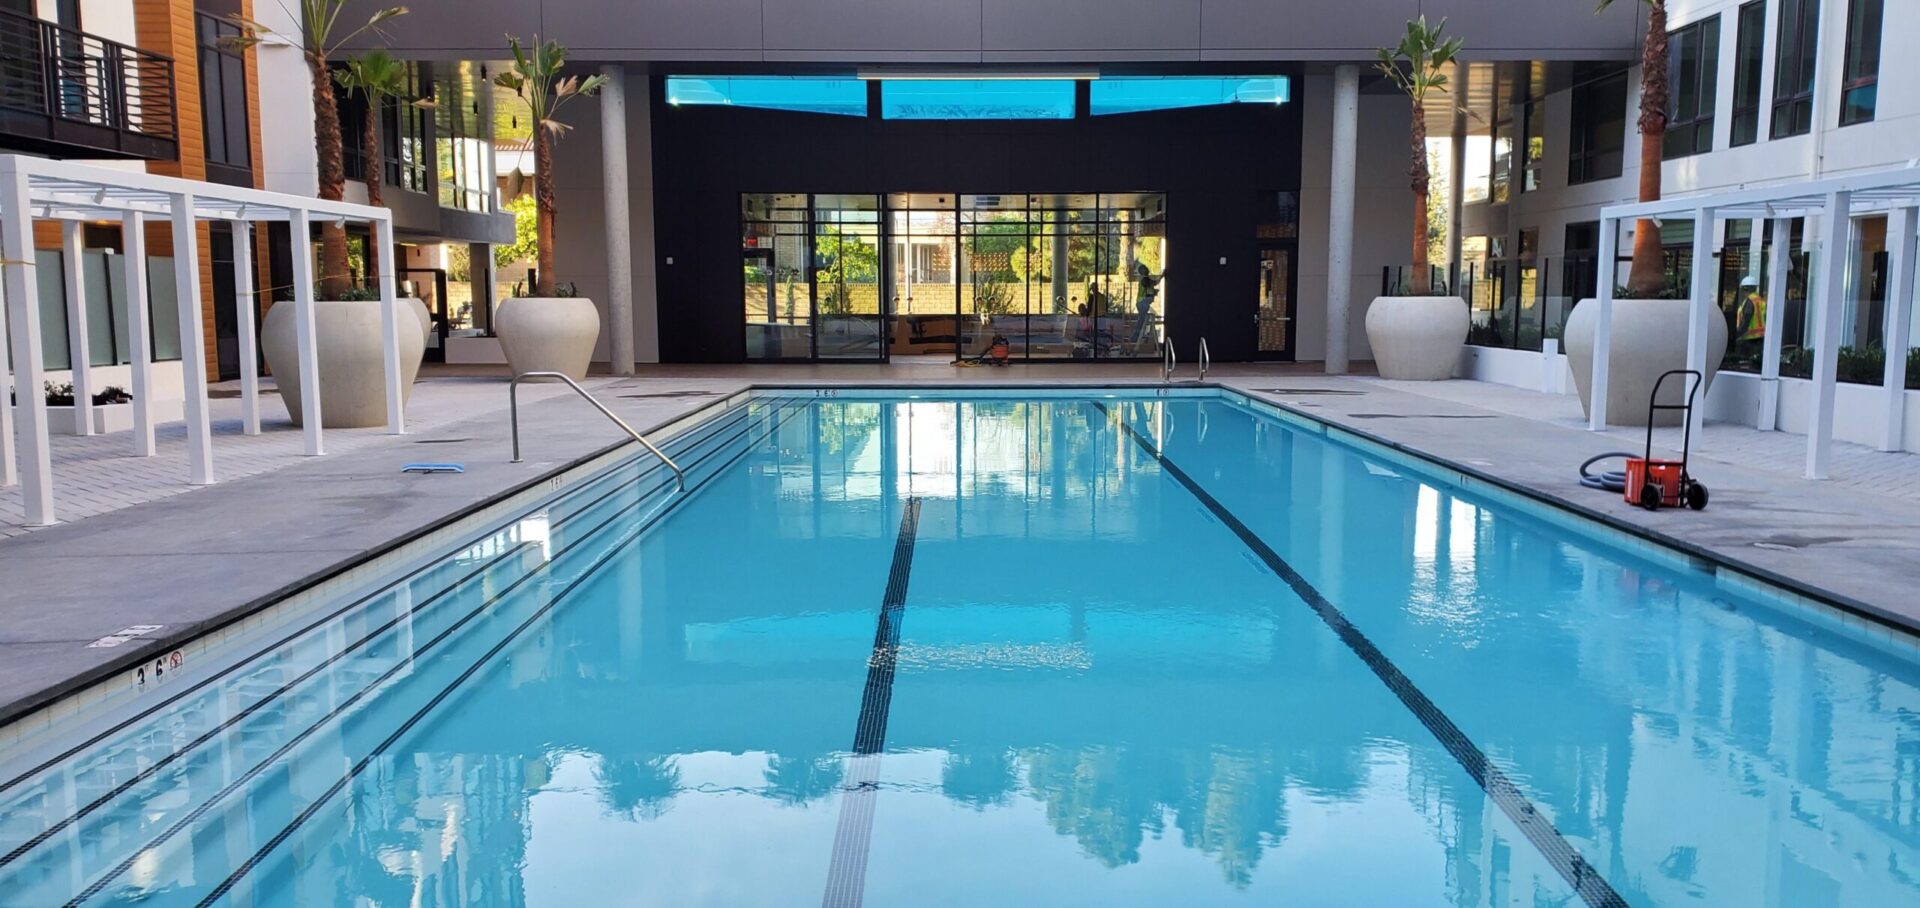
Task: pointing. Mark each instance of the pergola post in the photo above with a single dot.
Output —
(300, 226)
(1346, 119)
(193, 359)
(133, 242)
(79, 352)
(1838, 228)
(23, 317)
(8, 474)
(1903, 229)
(1704, 289)
(247, 311)
(1779, 266)
(390, 330)
(1603, 324)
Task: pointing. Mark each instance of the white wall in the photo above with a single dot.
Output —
(289, 163)
(1382, 203)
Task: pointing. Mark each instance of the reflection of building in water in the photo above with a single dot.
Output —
(440, 829)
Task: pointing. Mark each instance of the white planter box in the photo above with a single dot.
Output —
(113, 417)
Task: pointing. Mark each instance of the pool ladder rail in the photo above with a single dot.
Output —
(513, 418)
(1169, 362)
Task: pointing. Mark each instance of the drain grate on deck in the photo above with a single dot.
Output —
(1338, 392)
(440, 441)
(1420, 415)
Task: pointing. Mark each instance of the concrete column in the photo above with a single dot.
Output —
(1837, 235)
(1346, 122)
(1902, 227)
(1779, 265)
(619, 225)
(79, 352)
(23, 317)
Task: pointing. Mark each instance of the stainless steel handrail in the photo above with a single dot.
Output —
(513, 417)
(1168, 361)
(1206, 359)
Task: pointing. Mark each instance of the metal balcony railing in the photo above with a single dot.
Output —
(75, 94)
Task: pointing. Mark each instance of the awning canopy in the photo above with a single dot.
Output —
(43, 189)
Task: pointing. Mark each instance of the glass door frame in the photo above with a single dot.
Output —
(1291, 247)
(438, 318)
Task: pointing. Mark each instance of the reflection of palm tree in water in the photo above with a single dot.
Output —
(1229, 804)
(637, 788)
(797, 780)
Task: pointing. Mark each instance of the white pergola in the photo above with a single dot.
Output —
(42, 189)
(1834, 202)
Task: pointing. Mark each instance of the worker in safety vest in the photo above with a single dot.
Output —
(1750, 319)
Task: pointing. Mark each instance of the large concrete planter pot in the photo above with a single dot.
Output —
(1649, 338)
(1417, 338)
(548, 334)
(347, 336)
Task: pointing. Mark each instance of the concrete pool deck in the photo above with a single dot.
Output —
(191, 559)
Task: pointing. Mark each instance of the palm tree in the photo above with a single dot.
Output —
(1426, 54)
(536, 77)
(1648, 275)
(378, 76)
(319, 39)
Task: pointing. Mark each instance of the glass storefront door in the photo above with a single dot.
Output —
(856, 277)
(1273, 320)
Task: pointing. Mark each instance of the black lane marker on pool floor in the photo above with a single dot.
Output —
(870, 734)
(847, 872)
(98, 885)
(1585, 880)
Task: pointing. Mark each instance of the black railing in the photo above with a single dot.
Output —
(71, 93)
(1514, 304)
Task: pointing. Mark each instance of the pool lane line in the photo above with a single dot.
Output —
(199, 810)
(1566, 860)
(179, 753)
(263, 651)
(870, 732)
(853, 835)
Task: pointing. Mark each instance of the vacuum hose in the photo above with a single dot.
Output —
(1611, 480)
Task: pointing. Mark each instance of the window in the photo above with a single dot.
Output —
(1860, 77)
(223, 96)
(977, 99)
(1793, 63)
(1502, 166)
(1599, 130)
(1693, 58)
(404, 141)
(1748, 58)
(1135, 94)
(847, 97)
(1534, 117)
(461, 140)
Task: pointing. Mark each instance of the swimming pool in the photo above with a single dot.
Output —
(1065, 647)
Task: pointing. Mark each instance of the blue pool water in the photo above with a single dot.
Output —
(985, 649)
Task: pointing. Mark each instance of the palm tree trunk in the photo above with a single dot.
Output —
(543, 208)
(370, 160)
(334, 277)
(1648, 275)
(1421, 182)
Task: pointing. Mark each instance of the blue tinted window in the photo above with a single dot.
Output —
(977, 99)
(809, 95)
(1133, 94)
